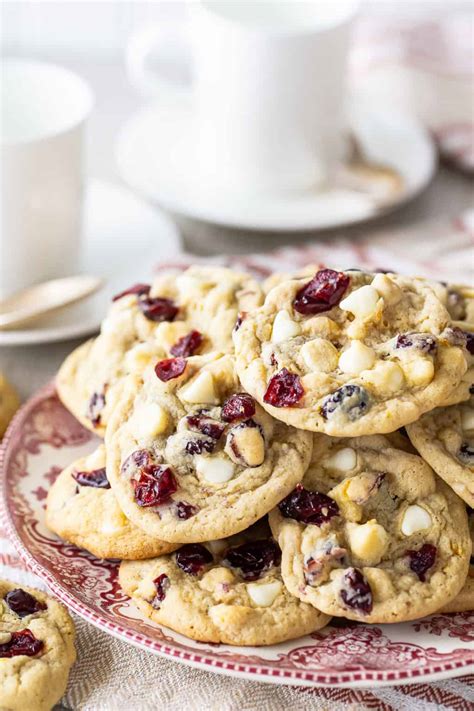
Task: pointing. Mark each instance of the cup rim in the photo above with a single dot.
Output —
(203, 6)
(81, 85)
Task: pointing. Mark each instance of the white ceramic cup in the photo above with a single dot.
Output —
(268, 89)
(44, 109)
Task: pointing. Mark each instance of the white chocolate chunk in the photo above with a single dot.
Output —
(5, 637)
(356, 358)
(215, 470)
(218, 546)
(284, 327)
(138, 356)
(386, 378)
(117, 323)
(245, 445)
(343, 460)
(264, 594)
(388, 290)
(368, 541)
(467, 418)
(415, 519)
(111, 527)
(319, 355)
(362, 302)
(148, 421)
(200, 390)
(419, 371)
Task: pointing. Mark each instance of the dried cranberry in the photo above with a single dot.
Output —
(154, 486)
(184, 510)
(466, 453)
(23, 603)
(136, 460)
(138, 289)
(158, 309)
(469, 342)
(162, 584)
(198, 446)
(187, 345)
(95, 407)
(239, 320)
(422, 560)
(97, 478)
(308, 506)
(206, 425)
(356, 592)
(170, 368)
(423, 342)
(322, 293)
(193, 557)
(22, 642)
(238, 407)
(284, 389)
(352, 400)
(254, 558)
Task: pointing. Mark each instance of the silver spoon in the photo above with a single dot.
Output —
(30, 303)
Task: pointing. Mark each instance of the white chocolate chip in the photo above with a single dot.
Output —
(386, 378)
(215, 470)
(467, 418)
(368, 541)
(362, 302)
(415, 519)
(419, 371)
(388, 290)
(200, 390)
(5, 637)
(218, 546)
(138, 356)
(356, 358)
(148, 421)
(245, 445)
(118, 323)
(319, 355)
(264, 594)
(284, 327)
(343, 460)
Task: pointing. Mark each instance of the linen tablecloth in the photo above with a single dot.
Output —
(111, 675)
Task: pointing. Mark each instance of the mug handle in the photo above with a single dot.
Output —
(156, 83)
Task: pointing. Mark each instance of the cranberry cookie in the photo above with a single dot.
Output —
(445, 438)
(81, 508)
(36, 649)
(192, 458)
(349, 353)
(372, 534)
(225, 591)
(194, 312)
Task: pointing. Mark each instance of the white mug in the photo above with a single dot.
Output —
(267, 92)
(44, 109)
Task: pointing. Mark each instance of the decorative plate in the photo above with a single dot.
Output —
(44, 438)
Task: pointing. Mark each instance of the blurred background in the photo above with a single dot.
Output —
(90, 38)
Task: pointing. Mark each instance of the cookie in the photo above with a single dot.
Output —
(36, 648)
(226, 591)
(81, 508)
(445, 439)
(192, 458)
(349, 353)
(9, 403)
(194, 312)
(372, 534)
(464, 601)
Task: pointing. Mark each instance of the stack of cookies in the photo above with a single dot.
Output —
(277, 454)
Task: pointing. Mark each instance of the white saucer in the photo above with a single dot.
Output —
(155, 155)
(123, 239)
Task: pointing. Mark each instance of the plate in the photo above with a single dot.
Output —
(123, 240)
(43, 438)
(156, 156)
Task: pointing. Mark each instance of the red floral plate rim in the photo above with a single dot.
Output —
(297, 665)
